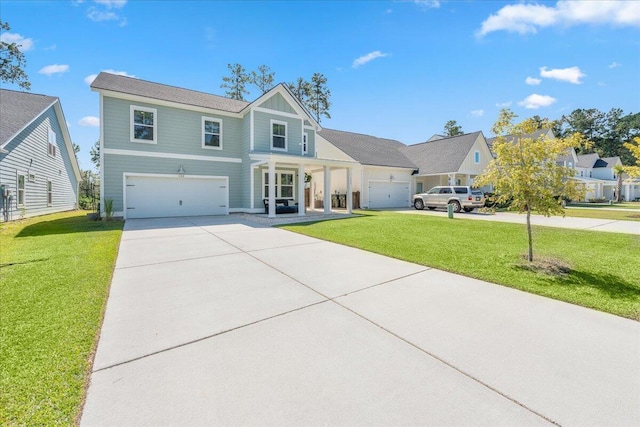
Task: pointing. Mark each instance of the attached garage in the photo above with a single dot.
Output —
(387, 194)
(150, 196)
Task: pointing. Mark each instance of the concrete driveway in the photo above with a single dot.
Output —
(217, 321)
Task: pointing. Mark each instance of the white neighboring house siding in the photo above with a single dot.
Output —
(385, 174)
(178, 144)
(28, 154)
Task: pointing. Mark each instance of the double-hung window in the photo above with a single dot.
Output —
(49, 193)
(283, 184)
(21, 190)
(278, 135)
(144, 124)
(51, 145)
(305, 143)
(211, 133)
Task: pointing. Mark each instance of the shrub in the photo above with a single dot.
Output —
(598, 200)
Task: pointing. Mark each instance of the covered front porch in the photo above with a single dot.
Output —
(279, 177)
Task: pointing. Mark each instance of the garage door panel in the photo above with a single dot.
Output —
(388, 195)
(149, 197)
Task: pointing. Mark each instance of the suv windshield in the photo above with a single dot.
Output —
(476, 192)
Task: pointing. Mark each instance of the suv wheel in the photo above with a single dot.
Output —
(456, 206)
(418, 204)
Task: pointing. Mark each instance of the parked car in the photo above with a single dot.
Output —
(461, 197)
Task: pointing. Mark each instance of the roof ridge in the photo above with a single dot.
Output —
(442, 139)
(28, 93)
(363, 134)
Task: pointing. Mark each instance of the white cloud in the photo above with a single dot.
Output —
(535, 101)
(54, 69)
(614, 64)
(477, 113)
(101, 15)
(116, 4)
(602, 84)
(24, 44)
(528, 18)
(503, 104)
(92, 121)
(532, 81)
(571, 74)
(367, 58)
(427, 4)
(91, 77)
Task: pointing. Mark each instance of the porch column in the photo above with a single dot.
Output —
(272, 189)
(327, 190)
(301, 205)
(349, 191)
(468, 179)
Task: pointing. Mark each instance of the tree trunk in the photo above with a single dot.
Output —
(619, 195)
(529, 233)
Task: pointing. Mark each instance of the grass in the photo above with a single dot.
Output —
(55, 272)
(602, 267)
(614, 215)
(621, 205)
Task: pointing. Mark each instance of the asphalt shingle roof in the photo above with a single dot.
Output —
(133, 86)
(587, 160)
(17, 109)
(511, 138)
(609, 161)
(367, 149)
(442, 155)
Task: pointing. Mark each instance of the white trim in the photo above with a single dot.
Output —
(276, 113)
(290, 98)
(251, 131)
(252, 186)
(295, 160)
(132, 109)
(308, 127)
(120, 152)
(277, 185)
(101, 155)
(286, 132)
(305, 143)
(164, 103)
(211, 119)
(170, 175)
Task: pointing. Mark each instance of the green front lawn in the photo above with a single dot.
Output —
(614, 215)
(621, 205)
(604, 266)
(55, 273)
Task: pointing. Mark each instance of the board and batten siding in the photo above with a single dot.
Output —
(278, 103)
(262, 133)
(178, 131)
(120, 164)
(28, 154)
(469, 166)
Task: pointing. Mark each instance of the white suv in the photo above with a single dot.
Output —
(462, 198)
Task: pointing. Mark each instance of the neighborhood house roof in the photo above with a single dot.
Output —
(512, 138)
(18, 109)
(133, 86)
(587, 160)
(442, 155)
(367, 149)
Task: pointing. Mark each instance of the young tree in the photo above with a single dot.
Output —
(525, 169)
(634, 148)
(95, 154)
(319, 94)
(451, 128)
(12, 62)
(263, 79)
(236, 83)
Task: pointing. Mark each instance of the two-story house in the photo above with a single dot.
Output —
(601, 178)
(168, 151)
(39, 172)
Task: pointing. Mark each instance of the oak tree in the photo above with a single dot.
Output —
(12, 62)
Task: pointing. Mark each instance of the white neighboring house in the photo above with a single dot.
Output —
(383, 177)
(601, 180)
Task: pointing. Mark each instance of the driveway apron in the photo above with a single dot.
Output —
(218, 321)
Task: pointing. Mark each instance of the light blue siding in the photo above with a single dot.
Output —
(278, 103)
(28, 154)
(262, 130)
(117, 165)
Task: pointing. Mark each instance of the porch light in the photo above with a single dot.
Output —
(181, 171)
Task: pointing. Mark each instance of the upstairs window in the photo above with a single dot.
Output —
(305, 146)
(211, 133)
(278, 135)
(51, 146)
(144, 124)
(476, 157)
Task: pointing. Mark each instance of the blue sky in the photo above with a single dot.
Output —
(396, 69)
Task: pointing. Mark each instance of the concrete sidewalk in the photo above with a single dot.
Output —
(217, 321)
(592, 224)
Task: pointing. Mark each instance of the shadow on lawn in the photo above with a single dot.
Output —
(614, 286)
(79, 224)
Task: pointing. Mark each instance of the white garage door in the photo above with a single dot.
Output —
(149, 197)
(388, 195)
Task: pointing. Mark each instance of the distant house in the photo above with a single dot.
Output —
(384, 175)
(455, 160)
(39, 173)
(601, 180)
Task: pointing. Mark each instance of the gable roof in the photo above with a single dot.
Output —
(441, 155)
(587, 160)
(608, 162)
(133, 86)
(367, 149)
(18, 110)
(512, 138)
